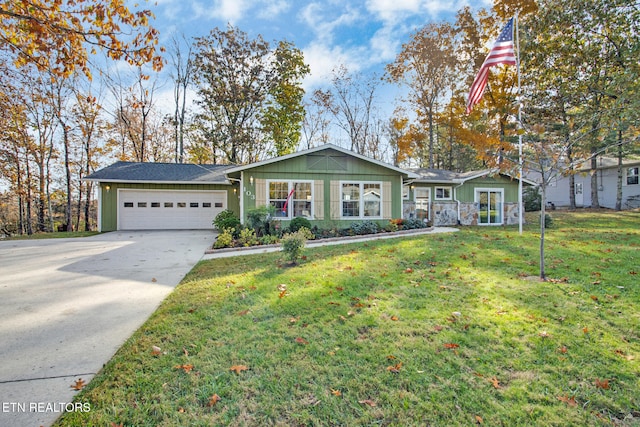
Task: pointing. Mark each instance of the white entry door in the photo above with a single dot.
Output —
(169, 209)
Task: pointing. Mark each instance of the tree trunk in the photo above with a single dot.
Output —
(620, 174)
(595, 204)
(543, 187)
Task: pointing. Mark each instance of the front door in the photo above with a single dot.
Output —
(490, 203)
(422, 196)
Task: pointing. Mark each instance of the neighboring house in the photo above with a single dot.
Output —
(607, 175)
(329, 185)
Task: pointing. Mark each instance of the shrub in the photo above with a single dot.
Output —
(414, 223)
(269, 239)
(226, 219)
(364, 227)
(298, 222)
(531, 199)
(391, 227)
(293, 243)
(261, 220)
(225, 238)
(247, 237)
(548, 221)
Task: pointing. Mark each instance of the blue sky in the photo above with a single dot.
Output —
(363, 35)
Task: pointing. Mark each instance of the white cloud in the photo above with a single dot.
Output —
(391, 10)
(272, 9)
(323, 59)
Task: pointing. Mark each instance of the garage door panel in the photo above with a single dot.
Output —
(166, 209)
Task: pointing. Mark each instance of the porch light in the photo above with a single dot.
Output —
(251, 179)
(107, 187)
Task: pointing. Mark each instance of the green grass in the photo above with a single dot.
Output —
(52, 235)
(442, 329)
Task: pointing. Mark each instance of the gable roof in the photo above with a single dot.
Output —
(169, 173)
(441, 176)
(324, 147)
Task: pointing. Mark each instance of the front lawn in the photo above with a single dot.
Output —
(441, 329)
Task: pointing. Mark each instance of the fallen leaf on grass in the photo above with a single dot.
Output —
(213, 400)
(450, 345)
(302, 341)
(479, 419)
(155, 350)
(238, 368)
(603, 384)
(625, 355)
(563, 349)
(368, 402)
(79, 384)
(495, 383)
(187, 368)
(409, 270)
(395, 369)
(115, 425)
(395, 318)
(571, 401)
(282, 294)
(336, 392)
(243, 312)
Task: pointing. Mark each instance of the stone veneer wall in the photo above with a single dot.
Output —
(446, 213)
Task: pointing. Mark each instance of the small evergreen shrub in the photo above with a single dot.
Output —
(413, 224)
(298, 222)
(226, 219)
(364, 227)
(293, 243)
(531, 199)
(548, 221)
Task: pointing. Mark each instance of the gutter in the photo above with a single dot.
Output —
(455, 197)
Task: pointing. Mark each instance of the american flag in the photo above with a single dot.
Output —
(501, 53)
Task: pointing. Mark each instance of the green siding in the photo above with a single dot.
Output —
(109, 212)
(466, 192)
(326, 166)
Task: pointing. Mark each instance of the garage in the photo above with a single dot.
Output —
(168, 209)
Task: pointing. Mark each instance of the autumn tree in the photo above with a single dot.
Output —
(58, 37)
(182, 75)
(251, 104)
(351, 101)
(584, 82)
(426, 65)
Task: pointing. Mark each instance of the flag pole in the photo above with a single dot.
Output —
(520, 130)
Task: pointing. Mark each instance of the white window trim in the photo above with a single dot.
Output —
(290, 182)
(435, 192)
(361, 205)
(476, 199)
(626, 178)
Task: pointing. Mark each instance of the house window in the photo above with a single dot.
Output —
(490, 203)
(291, 199)
(361, 199)
(632, 176)
(443, 193)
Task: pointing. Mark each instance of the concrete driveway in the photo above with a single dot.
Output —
(67, 305)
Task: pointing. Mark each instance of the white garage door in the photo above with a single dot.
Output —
(169, 210)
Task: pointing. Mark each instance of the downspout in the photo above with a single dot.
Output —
(455, 197)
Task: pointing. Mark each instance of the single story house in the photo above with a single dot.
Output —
(607, 176)
(329, 185)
